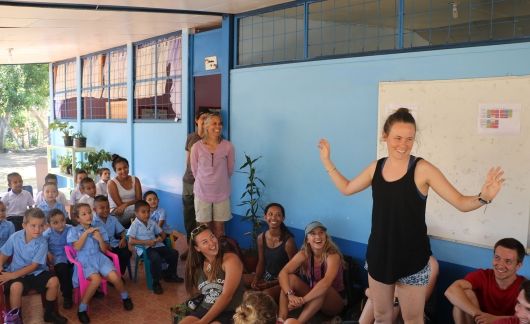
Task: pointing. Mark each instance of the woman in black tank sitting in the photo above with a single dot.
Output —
(276, 247)
(398, 247)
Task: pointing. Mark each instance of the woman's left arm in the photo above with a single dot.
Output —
(332, 269)
(429, 176)
(231, 159)
(233, 272)
(137, 190)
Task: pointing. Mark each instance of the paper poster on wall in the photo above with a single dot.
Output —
(497, 119)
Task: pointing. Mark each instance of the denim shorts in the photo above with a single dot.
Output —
(420, 278)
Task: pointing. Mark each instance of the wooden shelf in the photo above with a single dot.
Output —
(73, 151)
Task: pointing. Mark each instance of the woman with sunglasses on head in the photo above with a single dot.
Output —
(320, 284)
(214, 274)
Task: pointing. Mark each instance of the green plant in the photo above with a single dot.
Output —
(94, 161)
(63, 127)
(65, 163)
(251, 198)
(79, 135)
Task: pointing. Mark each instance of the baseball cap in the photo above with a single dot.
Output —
(314, 224)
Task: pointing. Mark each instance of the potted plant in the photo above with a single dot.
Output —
(65, 128)
(65, 163)
(79, 139)
(94, 160)
(251, 198)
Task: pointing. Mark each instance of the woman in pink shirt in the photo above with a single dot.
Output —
(212, 165)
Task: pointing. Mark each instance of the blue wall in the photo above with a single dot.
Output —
(281, 111)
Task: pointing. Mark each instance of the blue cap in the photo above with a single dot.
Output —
(314, 224)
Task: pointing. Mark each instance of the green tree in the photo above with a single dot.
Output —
(22, 88)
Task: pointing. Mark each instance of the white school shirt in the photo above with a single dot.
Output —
(86, 199)
(101, 188)
(61, 198)
(17, 204)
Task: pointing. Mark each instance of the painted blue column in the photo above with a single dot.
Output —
(78, 79)
(130, 102)
(400, 21)
(185, 79)
(50, 100)
(225, 67)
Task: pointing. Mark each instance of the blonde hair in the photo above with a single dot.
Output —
(257, 308)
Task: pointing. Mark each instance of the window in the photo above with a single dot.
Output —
(272, 36)
(104, 85)
(341, 27)
(157, 82)
(338, 27)
(64, 90)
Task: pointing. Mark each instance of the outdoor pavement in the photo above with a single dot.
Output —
(22, 162)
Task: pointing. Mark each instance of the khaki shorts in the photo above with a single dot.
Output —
(206, 212)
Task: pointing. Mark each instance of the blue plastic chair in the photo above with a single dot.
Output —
(147, 263)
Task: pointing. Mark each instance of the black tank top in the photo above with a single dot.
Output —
(398, 244)
(275, 258)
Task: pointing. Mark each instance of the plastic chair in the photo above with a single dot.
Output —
(71, 254)
(147, 263)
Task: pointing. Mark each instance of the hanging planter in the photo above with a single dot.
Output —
(68, 140)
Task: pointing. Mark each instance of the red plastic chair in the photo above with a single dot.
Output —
(71, 254)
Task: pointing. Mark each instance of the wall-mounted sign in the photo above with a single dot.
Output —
(210, 63)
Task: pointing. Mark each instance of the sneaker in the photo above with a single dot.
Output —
(68, 303)
(83, 317)
(12, 317)
(173, 278)
(55, 318)
(127, 304)
(157, 288)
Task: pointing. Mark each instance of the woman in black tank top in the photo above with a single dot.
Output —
(398, 247)
(276, 247)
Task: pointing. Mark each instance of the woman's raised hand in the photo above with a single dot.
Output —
(325, 150)
(493, 184)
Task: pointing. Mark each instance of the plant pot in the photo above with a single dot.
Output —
(68, 140)
(80, 142)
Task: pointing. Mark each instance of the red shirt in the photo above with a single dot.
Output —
(508, 320)
(491, 298)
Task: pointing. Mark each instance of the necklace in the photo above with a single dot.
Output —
(209, 267)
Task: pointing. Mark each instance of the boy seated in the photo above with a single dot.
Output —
(88, 188)
(146, 232)
(50, 177)
(101, 186)
(114, 229)
(27, 269)
(17, 200)
(76, 194)
(90, 243)
(56, 236)
(50, 202)
(6, 227)
(158, 214)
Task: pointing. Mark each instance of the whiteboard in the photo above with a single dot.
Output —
(454, 134)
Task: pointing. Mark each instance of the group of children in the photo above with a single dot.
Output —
(33, 241)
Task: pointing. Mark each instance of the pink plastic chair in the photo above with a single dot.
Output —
(71, 254)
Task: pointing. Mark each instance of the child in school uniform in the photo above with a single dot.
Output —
(6, 227)
(56, 236)
(158, 214)
(50, 177)
(90, 243)
(88, 187)
(101, 185)
(146, 232)
(114, 229)
(77, 193)
(17, 200)
(27, 269)
(50, 202)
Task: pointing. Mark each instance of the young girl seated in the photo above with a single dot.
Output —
(214, 274)
(257, 308)
(320, 264)
(101, 186)
(276, 247)
(90, 243)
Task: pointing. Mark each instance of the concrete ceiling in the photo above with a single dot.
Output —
(38, 31)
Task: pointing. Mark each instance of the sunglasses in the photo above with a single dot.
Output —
(198, 230)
